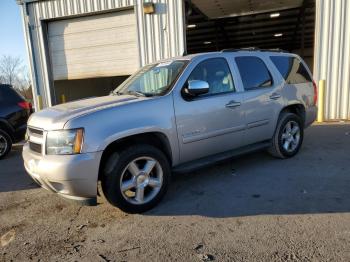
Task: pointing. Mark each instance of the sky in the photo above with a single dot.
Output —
(11, 31)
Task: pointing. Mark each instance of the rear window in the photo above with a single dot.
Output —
(254, 72)
(7, 94)
(292, 70)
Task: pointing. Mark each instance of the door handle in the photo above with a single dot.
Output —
(233, 104)
(275, 96)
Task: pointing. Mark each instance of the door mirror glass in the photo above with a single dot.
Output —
(197, 87)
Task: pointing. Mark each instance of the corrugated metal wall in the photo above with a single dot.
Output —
(160, 35)
(332, 55)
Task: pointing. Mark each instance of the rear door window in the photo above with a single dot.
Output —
(291, 69)
(254, 72)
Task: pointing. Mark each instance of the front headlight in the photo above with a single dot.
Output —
(64, 142)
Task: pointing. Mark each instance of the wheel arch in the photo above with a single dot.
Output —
(4, 125)
(157, 139)
(297, 108)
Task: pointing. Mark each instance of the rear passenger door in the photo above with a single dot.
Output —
(262, 96)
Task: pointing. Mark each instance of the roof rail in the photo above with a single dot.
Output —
(254, 49)
(241, 49)
(275, 50)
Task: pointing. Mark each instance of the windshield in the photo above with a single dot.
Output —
(152, 80)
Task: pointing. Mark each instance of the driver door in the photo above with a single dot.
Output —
(214, 122)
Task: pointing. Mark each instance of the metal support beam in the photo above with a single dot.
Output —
(297, 25)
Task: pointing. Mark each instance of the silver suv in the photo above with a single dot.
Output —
(173, 115)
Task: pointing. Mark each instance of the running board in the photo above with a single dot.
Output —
(210, 160)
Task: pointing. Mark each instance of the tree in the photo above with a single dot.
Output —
(14, 73)
(23, 84)
(2, 80)
(10, 68)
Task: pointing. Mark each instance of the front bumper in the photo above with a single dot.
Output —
(71, 176)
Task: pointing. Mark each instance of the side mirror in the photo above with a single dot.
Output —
(197, 87)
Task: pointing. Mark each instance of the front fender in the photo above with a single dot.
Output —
(107, 126)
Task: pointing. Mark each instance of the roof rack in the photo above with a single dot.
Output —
(254, 49)
(241, 49)
(275, 50)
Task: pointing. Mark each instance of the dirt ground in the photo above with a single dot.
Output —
(254, 208)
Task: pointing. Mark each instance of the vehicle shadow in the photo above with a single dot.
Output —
(317, 180)
(13, 176)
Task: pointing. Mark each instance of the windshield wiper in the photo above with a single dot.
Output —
(116, 93)
(135, 93)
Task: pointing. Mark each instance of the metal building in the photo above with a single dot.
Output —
(332, 55)
(82, 48)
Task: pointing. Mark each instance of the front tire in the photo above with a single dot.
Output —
(5, 143)
(288, 137)
(136, 179)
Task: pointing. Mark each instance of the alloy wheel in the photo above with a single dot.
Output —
(3, 145)
(291, 136)
(141, 180)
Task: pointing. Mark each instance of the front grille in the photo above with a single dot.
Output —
(35, 147)
(35, 131)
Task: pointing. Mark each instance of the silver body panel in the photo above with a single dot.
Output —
(194, 129)
(72, 176)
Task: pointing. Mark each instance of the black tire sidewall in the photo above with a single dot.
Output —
(283, 121)
(111, 181)
(9, 143)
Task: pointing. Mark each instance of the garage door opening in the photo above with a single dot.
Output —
(284, 24)
(84, 88)
(92, 55)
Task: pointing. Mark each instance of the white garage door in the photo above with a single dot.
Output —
(94, 46)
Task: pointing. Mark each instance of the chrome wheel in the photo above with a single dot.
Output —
(290, 136)
(3, 145)
(141, 180)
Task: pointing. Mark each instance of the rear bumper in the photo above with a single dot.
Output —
(71, 176)
(20, 133)
(311, 115)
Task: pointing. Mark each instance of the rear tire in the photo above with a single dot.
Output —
(136, 178)
(288, 136)
(5, 143)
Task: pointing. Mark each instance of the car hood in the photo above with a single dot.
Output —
(55, 117)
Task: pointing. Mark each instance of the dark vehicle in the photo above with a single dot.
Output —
(14, 114)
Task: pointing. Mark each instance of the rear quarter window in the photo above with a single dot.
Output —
(291, 69)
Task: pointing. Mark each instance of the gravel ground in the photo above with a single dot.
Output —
(254, 208)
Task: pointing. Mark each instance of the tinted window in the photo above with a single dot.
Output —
(7, 94)
(292, 70)
(254, 72)
(217, 73)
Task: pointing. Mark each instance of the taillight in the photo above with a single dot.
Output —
(315, 92)
(25, 105)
